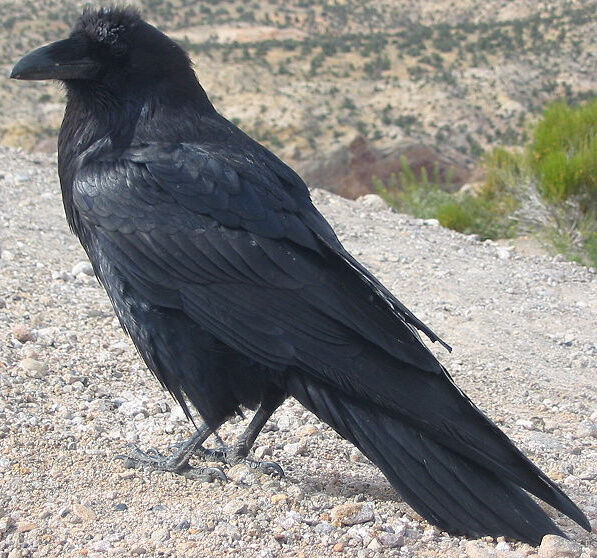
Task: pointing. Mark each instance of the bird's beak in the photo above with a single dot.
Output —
(64, 60)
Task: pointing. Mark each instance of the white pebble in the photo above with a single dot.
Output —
(82, 267)
(525, 424)
(553, 546)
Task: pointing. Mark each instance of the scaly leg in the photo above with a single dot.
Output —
(179, 461)
(238, 452)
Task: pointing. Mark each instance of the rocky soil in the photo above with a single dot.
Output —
(308, 78)
(73, 394)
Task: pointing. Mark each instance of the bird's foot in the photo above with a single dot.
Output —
(177, 463)
(234, 455)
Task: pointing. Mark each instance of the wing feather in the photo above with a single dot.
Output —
(245, 259)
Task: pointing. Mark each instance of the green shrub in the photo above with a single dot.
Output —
(563, 152)
(484, 213)
(549, 188)
(503, 168)
(555, 180)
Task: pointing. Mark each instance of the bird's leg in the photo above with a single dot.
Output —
(238, 452)
(178, 462)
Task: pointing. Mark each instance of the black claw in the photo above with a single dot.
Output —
(272, 468)
(267, 467)
(178, 462)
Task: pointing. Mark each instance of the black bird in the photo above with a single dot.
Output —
(237, 293)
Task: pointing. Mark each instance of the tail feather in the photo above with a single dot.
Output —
(449, 489)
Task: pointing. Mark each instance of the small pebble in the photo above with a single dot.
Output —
(390, 540)
(553, 546)
(503, 253)
(25, 526)
(102, 546)
(235, 507)
(84, 512)
(307, 430)
(476, 549)
(62, 276)
(36, 367)
(290, 520)
(262, 451)
(127, 474)
(352, 514)
(587, 430)
(373, 202)
(184, 525)
(293, 449)
(525, 424)
(22, 333)
(241, 474)
(279, 499)
(160, 535)
(356, 456)
(323, 528)
(82, 267)
(375, 545)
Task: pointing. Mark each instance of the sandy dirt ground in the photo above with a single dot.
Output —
(73, 394)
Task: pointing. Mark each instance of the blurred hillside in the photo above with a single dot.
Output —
(341, 89)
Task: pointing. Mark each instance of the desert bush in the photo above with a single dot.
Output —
(486, 213)
(557, 181)
(373, 69)
(548, 188)
(562, 155)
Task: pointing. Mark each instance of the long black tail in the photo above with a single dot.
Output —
(448, 489)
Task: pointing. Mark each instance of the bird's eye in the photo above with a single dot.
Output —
(112, 38)
(113, 34)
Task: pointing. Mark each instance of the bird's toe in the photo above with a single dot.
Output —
(267, 467)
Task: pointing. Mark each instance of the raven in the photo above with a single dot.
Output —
(237, 293)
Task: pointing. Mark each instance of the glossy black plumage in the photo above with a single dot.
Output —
(231, 284)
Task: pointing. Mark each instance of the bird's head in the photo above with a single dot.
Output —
(111, 50)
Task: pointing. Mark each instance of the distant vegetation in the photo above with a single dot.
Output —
(430, 54)
(457, 77)
(486, 212)
(548, 188)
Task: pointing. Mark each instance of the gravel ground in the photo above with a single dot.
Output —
(73, 393)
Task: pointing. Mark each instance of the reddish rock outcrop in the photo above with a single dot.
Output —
(349, 171)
